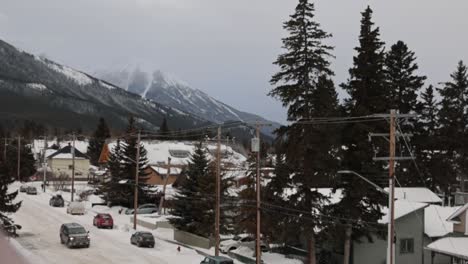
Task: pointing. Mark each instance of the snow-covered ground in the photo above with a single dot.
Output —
(39, 241)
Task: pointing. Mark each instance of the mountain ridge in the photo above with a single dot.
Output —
(57, 89)
(168, 90)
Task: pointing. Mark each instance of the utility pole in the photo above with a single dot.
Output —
(135, 198)
(19, 158)
(218, 191)
(44, 163)
(392, 136)
(73, 168)
(258, 235)
(162, 200)
(391, 182)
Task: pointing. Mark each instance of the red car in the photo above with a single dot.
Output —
(103, 221)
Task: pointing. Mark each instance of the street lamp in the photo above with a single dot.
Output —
(377, 187)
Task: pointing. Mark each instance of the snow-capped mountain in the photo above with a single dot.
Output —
(168, 90)
(35, 88)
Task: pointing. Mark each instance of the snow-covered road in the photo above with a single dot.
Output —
(40, 238)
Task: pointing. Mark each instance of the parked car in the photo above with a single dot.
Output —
(31, 190)
(144, 209)
(142, 239)
(23, 188)
(240, 240)
(57, 201)
(76, 208)
(217, 260)
(74, 235)
(103, 220)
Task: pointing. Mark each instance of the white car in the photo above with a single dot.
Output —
(76, 208)
(234, 243)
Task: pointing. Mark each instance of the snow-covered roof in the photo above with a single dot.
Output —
(159, 151)
(163, 170)
(416, 194)
(38, 145)
(452, 246)
(66, 156)
(435, 220)
(402, 208)
(454, 215)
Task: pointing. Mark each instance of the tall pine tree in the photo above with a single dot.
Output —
(453, 120)
(304, 86)
(123, 167)
(97, 141)
(194, 202)
(430, 159)
(404, 84)
(368, 95)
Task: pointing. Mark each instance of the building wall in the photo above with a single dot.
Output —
(63, 165)
(155, 178)
(460, 228)
(409, 226)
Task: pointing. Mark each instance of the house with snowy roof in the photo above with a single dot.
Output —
(437, 226)
(417, 194)
(160, 175)
(61, 161)
(455, 246)
(409, 229)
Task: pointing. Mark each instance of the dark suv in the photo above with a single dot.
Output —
(74, 235)
(57, 201)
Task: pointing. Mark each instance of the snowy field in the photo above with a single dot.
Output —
(39, 241)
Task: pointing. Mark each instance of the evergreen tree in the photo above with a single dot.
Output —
(27, 161)
(123, 165)
(368, 95)
(194, 202)
(403, 82)
(304, 86)
(111, 188)
(275, 225)
(453, 122)
(7, 204)
(188, 216)
(431, 161)
(404, 85)
(97, 141)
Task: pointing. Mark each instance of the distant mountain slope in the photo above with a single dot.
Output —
(34, 88)
(167, 90)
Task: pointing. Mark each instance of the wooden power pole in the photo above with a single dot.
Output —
(258, 251)
(19, 158)
(391, 182)
(392, 136)
(218, 192)
(137, 170)
(73, 168)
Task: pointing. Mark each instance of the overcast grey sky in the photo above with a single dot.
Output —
(225, 48)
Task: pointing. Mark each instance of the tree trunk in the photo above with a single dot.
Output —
(347, 245)
(312, 258)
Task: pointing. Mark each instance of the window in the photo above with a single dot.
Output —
(406, 245)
